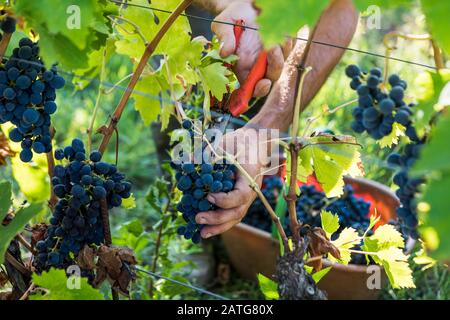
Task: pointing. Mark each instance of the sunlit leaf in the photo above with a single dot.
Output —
(347, 239)
(21, 218)
(268, 287)
(330, 222)
(59, 287)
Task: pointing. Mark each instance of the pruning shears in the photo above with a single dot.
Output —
(237, 102)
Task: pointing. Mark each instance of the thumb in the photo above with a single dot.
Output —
(225, 34)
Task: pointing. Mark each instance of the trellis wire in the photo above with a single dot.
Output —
(378, 55)
(184, 284)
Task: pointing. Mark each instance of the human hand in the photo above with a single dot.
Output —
(233, 206)
(249, 46)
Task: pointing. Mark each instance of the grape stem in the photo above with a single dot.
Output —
(178, 107)
(27, 293)
(310, 121)
(25, 243)
(437, 52)
(50, 168)
(4, 44)
(294, 146)
(137, 30)
(150, 48)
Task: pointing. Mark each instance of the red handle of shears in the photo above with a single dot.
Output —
(240, 98)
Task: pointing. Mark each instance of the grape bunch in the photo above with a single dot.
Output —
(408, 186)
(196, 181)
(352, 211)
(257, 215)
(378, 109)
(81, 186)
(27, 98)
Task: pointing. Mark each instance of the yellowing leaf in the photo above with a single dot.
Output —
(392, 139)
(146, 100)
(129, 203)
(332, 158)
(348, 238)
(268, 287)
(386, 236)
(330, 222)
(32, 177)
(395, 263)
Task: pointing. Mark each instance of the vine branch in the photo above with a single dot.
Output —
(294, 147)
(150, 48)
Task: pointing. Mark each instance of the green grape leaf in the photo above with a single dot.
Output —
(433, 163)
(73, 30)
(183, 54)
(435, 154)
(436, 13)
(58, 286)
(5, 198)
(392, 139)
(317, 276)
(332, 158)
(347, 239)
(437, 221)
(384, 237)
(129, 203)
(395, 263)
(281, 18)
(32, 179)
(429, 86)
(268, 287)
(21, 218)
(147, 104)
(330, 222)
(215, 79)
(387, 245)
(304, 166)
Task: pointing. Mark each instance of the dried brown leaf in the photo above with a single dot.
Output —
(86, 258)
(320, 245)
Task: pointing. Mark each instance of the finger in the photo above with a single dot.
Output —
(209, 231)
(275, 62)
(248, 50)
(225, 34)
(262, 88)
(241, 194)
(220, 216)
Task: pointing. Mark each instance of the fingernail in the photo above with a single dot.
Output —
(211, 199)
(208, 235)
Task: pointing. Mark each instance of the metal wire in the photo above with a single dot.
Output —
(374, 54)
(187, 285)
